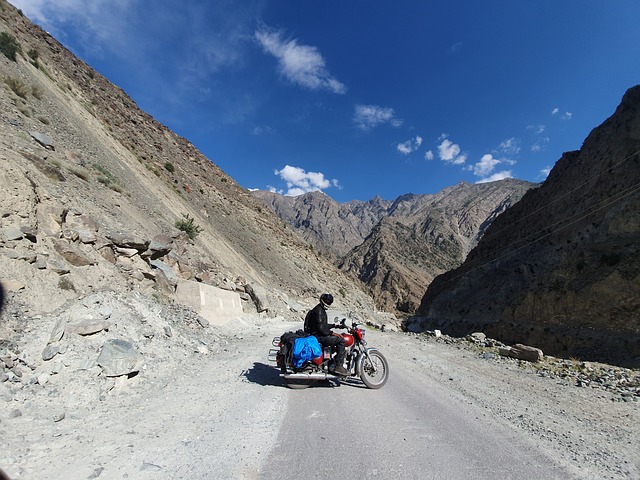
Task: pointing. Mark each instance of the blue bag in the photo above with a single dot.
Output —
(305, 349)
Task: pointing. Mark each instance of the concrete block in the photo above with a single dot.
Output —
(213, 304)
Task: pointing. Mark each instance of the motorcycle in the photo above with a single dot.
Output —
(365, 363)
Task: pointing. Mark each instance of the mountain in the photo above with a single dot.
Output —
(397, 247)
(95, 192)
(561, 268)
(332, 228)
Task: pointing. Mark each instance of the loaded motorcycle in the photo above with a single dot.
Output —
(365, 363)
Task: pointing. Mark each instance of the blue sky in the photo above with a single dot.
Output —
(361, 98)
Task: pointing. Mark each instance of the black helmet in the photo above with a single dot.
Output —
(326, 299)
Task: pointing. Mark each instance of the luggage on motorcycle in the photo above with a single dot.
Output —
(286, 350)
(305, 349)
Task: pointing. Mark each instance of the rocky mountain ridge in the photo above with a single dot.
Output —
(560, 269)
(397, 247)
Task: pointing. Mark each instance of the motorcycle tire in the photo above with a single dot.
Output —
(298, 384)
(377, 378)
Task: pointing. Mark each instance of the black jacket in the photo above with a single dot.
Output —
(315, 323)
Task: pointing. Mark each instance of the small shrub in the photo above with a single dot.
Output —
(36, 92)
(79, 173)
(168, 166)
(33, 55)
(188, 226)
(9, 46)
(17, 86)
(65, 284)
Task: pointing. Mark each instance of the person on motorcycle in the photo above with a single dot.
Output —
(315, 323)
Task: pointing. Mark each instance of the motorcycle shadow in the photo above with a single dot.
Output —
(262, 374)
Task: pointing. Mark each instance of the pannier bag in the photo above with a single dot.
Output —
(305, 349)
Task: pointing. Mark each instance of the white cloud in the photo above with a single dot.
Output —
(300, 64)
(537, 129)
(428, 155)
(450, 152)
(298, 181)
(455, 48)
(540, 145)
(485, 166)
(563, 116)
(367, 117)
(410, 145)
(544, 173)
(510, 146)
(497, 176)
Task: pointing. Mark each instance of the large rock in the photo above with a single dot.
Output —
(119, 357)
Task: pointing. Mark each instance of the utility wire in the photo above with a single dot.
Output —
(604, 204)
(557, 199)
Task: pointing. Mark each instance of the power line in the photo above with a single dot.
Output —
(557, 199)
(571, 221)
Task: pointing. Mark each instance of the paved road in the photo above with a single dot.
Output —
(409, 429)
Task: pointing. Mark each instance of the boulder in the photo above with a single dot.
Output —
(88, 326)
(72, 254)
(523, 352)
(119, 357)
(259, 297)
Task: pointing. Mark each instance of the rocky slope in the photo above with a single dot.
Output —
(560, 269)
(397, 248)
(89, 182)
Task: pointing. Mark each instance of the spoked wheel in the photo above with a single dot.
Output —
(297, 384)
(374, 371)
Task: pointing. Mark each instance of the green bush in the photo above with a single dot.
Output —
(168, 166)
(186, 225)
(9, 46)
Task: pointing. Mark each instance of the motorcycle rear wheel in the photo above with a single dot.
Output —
(378, 377)
(298, 384)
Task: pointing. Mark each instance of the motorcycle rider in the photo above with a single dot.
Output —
(315, 323)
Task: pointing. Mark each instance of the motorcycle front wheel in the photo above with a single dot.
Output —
(374, 370)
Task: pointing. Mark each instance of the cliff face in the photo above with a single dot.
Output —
(560, 269)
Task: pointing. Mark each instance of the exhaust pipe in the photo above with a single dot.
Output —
(309, 376)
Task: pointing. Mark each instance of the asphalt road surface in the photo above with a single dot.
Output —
(412, 428)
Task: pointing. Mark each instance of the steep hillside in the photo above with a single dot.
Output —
(89, 182)
(561, 269)
(397, 248)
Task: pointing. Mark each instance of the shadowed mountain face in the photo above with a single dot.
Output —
(397, 248)
(560, 269)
